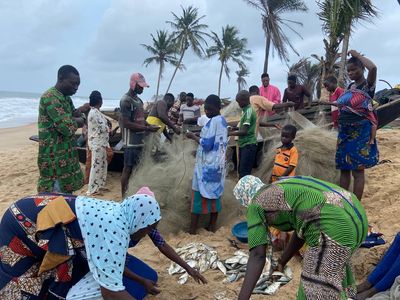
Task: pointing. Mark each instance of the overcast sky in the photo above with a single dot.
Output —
(102, 38)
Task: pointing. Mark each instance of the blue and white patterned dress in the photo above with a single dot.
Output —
(210, 167)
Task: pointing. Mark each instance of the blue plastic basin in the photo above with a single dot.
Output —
(240, 231)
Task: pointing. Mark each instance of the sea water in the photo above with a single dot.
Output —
(19, 108)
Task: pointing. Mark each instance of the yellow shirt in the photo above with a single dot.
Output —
(156, 121)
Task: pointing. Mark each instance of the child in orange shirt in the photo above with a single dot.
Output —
(286, 157)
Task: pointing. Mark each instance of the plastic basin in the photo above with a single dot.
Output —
(240, 231)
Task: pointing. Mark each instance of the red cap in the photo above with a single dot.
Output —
(137, 78)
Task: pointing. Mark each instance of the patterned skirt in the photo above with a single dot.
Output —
(353, 150)
(203, 206)
(39, 265)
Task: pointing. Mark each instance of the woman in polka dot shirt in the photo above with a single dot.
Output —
(51, 242)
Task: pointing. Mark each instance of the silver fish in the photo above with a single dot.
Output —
(183, 278)
(243, 260)
(221, 267)
(288, 272)
(273, 288)
(233, 260)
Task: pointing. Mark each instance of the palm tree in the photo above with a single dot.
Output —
(307, 74)
(273, 23)
(164, 51)
(229, 47)
(241, 74)
(188, 32)
(353, 12)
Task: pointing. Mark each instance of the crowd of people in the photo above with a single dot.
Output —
(58, 246)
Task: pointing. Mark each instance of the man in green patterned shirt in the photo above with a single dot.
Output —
(58, 121)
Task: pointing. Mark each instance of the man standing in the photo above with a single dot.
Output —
(269, 91)
(133, 127)
(174, 111)
(247, 134)
(158, 116)
(189, 111)
(295, 92)
(58, 120)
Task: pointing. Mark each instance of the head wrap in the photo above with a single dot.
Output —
(247, 188)
(106, 228)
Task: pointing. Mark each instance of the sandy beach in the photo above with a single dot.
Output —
(19, 174)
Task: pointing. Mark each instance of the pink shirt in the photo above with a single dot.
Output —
(272, 93)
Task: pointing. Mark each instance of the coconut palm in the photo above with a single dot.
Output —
(228, 47)
(339, 18)
(188, 32)
(273, 25)
(241, 74)
(164, 51)
(307, 74)
(354, 11)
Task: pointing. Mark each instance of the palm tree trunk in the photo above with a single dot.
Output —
(158, 81)
(220, 77)
(267, 47)
(345, 48)
(176, 69)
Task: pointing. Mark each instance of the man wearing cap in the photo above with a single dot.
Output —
(133, 126)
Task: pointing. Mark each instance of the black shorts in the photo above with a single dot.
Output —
(132, 156)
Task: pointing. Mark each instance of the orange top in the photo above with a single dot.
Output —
(283, 159)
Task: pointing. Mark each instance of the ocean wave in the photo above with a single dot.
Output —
(16, 111)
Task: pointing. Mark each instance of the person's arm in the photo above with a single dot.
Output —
(306, 92)
(258, 240)
(169, 252)
(111, 295)
(373, 134)
(288, 171)
(193, 136)
(293, 161)
(265, 124)
(127, 123)
(285, 98)
(151, 286)
(163, 116)
(294, 245)
(284, 105)
(255, 265)
(241, 132)
(371, 67)
(63, 123)
(167, 135)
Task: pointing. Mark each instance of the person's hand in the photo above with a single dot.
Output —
(177, 130)
(279, 267)
(277, 126)
(196, 276)
(353, 53)
(190, 135)
(151, 287)
(153, 128)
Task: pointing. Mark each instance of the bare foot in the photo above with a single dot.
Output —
(366, 294)
(366, 285)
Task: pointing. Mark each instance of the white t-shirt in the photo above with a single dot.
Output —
(202, 121)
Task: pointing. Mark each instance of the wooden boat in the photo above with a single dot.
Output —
(387, 113)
